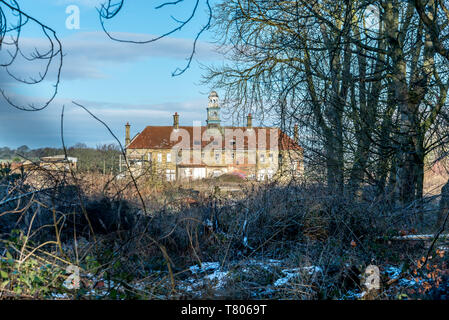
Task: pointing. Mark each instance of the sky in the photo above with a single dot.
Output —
(118, 82)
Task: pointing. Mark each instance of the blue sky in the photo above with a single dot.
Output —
(118, 82)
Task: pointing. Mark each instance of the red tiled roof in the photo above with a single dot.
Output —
(158, 137)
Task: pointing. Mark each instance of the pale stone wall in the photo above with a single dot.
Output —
(266, 163)
(157, 162)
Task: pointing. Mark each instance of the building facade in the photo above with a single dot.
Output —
(176, 152)
(58, 163)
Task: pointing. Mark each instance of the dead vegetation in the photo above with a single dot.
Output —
(269, 241)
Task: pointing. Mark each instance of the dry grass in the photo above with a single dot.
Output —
(265, 240)
(435, 178)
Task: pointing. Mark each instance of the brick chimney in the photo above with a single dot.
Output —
(176, 121)
(296, 133)
(249, 121)
(127, 135)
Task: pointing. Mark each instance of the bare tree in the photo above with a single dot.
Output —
(49, 60)
(12, 22)
(111, 8)
(361, 76)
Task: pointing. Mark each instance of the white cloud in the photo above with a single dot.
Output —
(42, 128)
(87, 3)
(87, 53)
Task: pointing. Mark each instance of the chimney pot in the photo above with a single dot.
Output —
(176, 121)
(127, 134)
(249, 121)
(296, 133)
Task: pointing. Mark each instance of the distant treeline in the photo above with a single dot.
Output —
(103, 158)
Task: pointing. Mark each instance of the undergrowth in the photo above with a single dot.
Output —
(268, 241)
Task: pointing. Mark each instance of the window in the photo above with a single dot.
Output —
(271, 157)
(261, 175)
(170, 175)
(196, 142)
(168, 157)
(149, 156)
(217, 157)
(297, 165)
(159, 157)
(262, 158)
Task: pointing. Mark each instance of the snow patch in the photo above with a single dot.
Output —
(219, 277)
(393, 272)
(295, 272)
(205, 266)
(59, 295)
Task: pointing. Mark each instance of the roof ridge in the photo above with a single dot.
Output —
(158, 137)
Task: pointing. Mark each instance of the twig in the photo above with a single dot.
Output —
(436, 238)
(24, 195)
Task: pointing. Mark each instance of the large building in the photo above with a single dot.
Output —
(194, 152)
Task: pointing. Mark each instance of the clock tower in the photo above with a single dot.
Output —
(213, 111)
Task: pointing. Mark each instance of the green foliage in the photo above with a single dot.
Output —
(30, 278)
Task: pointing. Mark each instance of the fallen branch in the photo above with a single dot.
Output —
(416, 237)
(23, 196)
